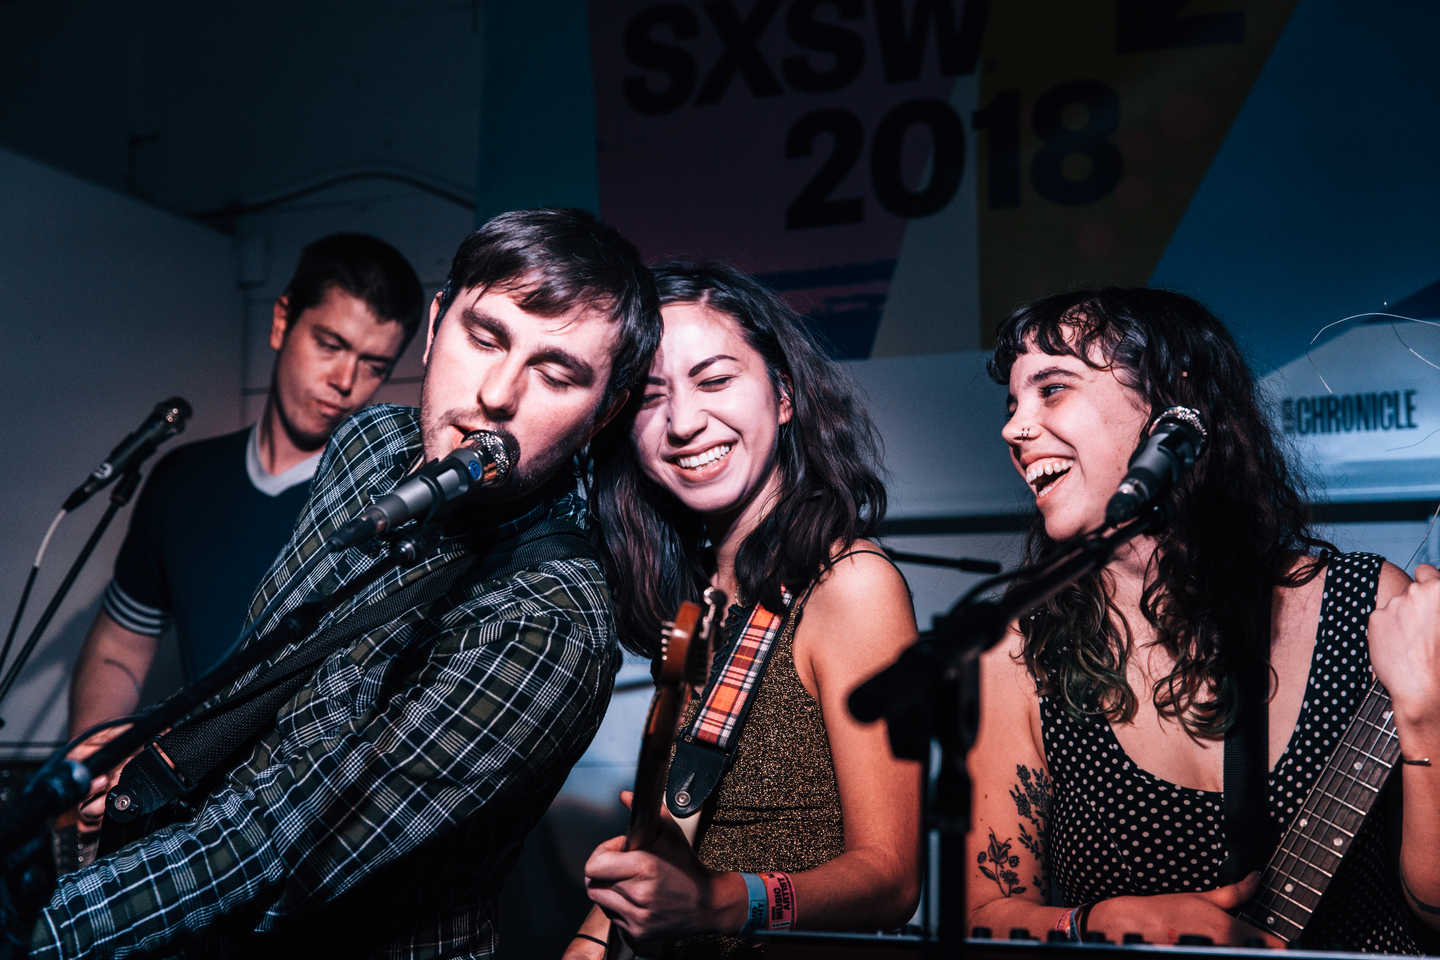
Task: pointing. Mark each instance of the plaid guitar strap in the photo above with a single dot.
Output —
(706, 748)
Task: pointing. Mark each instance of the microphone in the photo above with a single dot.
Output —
(167, 419)
(1176, 438)
(483, 459)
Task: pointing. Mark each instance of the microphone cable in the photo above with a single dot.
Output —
(120, 496)
(167, 419)
(29, 584)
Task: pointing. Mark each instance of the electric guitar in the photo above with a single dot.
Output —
(1324, 827)
(684, 664)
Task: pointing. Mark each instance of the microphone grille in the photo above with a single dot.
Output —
(500, 450)
(1185, 415)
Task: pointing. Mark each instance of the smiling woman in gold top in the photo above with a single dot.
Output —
(751, 465)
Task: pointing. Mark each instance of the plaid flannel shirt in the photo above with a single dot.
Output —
(384, 810)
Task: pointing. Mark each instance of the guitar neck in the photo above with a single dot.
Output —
(654, 766)
(1323, 829)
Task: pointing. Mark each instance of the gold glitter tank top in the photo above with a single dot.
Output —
(778, 807)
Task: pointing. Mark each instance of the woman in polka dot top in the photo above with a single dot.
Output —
(1099, 763)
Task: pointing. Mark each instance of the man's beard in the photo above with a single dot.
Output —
(535, 466)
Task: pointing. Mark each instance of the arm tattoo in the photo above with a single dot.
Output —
(1032, 801)
(126, 670)
(999, 855)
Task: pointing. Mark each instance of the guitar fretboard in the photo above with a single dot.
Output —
(1324, 827)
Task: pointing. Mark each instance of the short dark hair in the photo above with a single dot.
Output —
(366, 268)
(828, 457)
(557, 259)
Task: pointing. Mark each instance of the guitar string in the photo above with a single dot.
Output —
(1372, 733)
(1362, 725)
(1322, 791)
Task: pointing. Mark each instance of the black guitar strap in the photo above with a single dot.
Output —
(202, 744)
(1249, 835)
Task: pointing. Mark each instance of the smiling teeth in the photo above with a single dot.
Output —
(700, 459)
(1042, 468)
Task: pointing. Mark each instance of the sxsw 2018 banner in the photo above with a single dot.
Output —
(906, 171)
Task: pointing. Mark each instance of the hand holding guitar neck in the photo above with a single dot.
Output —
(684, 664)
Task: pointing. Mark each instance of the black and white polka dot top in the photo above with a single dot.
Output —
(1117, 830)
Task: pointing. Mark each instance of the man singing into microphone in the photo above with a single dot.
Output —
(381, 810)
(214, 513)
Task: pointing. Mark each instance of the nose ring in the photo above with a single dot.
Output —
(1025, 434)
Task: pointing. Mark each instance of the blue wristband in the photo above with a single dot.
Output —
(759, 904)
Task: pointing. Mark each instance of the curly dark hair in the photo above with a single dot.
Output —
(828, 455)
(1240, 520)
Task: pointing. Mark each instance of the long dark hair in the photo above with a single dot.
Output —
(828, 456)
(1239, 520)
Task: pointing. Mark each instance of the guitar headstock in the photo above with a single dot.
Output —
(698, 659)
(685, 642)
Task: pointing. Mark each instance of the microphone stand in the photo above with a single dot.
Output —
(124, 489)
(932, 693)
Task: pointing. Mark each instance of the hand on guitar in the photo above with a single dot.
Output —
(1163, 918)
(91, 812)
(1405, 655)
(1404, 640)
(663, 891)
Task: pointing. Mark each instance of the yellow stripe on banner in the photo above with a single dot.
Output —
(1097, 122)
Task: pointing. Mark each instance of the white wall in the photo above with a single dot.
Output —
(940, 417)
(108, 306)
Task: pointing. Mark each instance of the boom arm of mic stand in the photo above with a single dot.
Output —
(983, 624)
(976, 625)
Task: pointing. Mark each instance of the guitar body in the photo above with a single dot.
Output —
(684, 664)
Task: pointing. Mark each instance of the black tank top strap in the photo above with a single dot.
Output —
(800, 604)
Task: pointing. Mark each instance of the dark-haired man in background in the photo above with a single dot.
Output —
(379, 812)
(214, 513)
